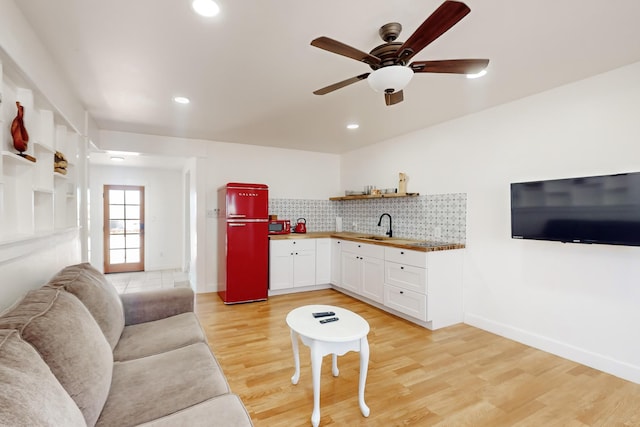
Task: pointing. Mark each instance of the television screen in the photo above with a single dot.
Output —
(597, 209)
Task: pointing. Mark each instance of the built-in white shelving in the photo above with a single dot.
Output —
(35, 200)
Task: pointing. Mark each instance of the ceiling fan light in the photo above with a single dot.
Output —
(477, 75)
(207, 8)
(390, 79)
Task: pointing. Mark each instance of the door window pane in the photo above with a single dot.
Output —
(116, 212)
(133, 255)
(133, 197)
(116, 256)
(116, 227)
(116, 241)
(132, 226)
(116, 197)
(132, 212)
(133, 241)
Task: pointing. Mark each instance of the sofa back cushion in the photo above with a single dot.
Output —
(68, 339)
(30, 393)
(97, 294)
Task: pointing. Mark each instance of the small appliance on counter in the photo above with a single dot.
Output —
(301, 226)
(279, 226)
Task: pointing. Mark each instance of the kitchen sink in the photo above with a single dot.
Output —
(379, 238)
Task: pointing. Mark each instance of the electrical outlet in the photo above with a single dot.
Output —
(211, 213)
(437, 232)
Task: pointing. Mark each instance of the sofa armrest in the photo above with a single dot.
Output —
(146, 306)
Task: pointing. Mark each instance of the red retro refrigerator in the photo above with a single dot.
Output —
(243, 242)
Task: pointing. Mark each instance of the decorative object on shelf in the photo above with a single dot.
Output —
(60, 163)
(402, 183)
(374, 196)
(19, 134)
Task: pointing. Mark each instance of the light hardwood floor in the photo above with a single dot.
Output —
(457, 376)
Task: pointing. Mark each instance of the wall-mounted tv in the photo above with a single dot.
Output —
(596, 209)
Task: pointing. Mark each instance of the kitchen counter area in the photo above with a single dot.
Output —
(418, 280)
(416, 245)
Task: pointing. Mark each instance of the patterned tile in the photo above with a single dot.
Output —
(433, 217)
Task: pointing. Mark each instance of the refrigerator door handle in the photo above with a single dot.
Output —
(237, 216)
(237, 224)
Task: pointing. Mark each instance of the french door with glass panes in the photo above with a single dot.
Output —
(123, 228)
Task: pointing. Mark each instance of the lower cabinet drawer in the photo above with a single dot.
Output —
(408, 302)
(406, 276)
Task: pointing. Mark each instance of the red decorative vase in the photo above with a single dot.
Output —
(18, 131)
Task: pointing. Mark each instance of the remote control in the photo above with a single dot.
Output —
(324, 314)
(330, 319)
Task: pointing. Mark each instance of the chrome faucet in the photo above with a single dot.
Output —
(390, 231)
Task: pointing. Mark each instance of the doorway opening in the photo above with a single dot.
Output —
(123, 228)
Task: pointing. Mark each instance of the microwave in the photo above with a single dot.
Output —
(279, 226)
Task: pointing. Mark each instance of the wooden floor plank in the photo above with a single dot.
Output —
(456, 376)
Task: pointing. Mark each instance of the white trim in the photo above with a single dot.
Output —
(594, 360)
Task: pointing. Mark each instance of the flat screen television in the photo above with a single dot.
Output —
(597, 209)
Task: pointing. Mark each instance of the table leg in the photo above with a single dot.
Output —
(316, 366)
(364, 366)
(296, 357)
(334, 365)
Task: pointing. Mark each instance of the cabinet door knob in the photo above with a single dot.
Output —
(401, 292)
(402, 268)
(401, 252)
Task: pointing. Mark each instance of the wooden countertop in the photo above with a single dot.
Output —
(410, 244)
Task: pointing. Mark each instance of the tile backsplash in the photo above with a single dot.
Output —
(440, 217)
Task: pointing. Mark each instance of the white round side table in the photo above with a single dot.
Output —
(348, 333)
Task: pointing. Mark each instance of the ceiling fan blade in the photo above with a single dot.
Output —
(446, 16)
(393, 98)
(341, 84)
(454, 66)
(340, 48)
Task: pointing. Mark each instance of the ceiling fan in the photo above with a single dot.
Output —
(389, 60)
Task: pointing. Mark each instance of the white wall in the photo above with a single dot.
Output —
(29, 263)
(578, 301)
(163, 213)
(291, 174)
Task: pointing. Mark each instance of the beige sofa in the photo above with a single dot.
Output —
(75, 353)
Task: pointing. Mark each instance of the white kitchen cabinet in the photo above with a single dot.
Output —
(411, 303)
(292, 263)
(323, 261)
(424, 285)
(336, 262)
(363, 270)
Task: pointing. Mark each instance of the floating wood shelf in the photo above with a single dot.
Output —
(374, 196)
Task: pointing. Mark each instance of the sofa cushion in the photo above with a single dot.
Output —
(152, 387)
(69, 340)
(30, 394)
(97, 294)
(226, 410)
(146, 339)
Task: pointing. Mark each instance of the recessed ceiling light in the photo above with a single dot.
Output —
(353, 126)
(118, 153)
(206, 8)
(476, 75)
(117, 159)
(181, 100)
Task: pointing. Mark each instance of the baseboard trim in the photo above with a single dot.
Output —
(598, 361)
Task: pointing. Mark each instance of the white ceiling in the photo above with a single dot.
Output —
(250, 71)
